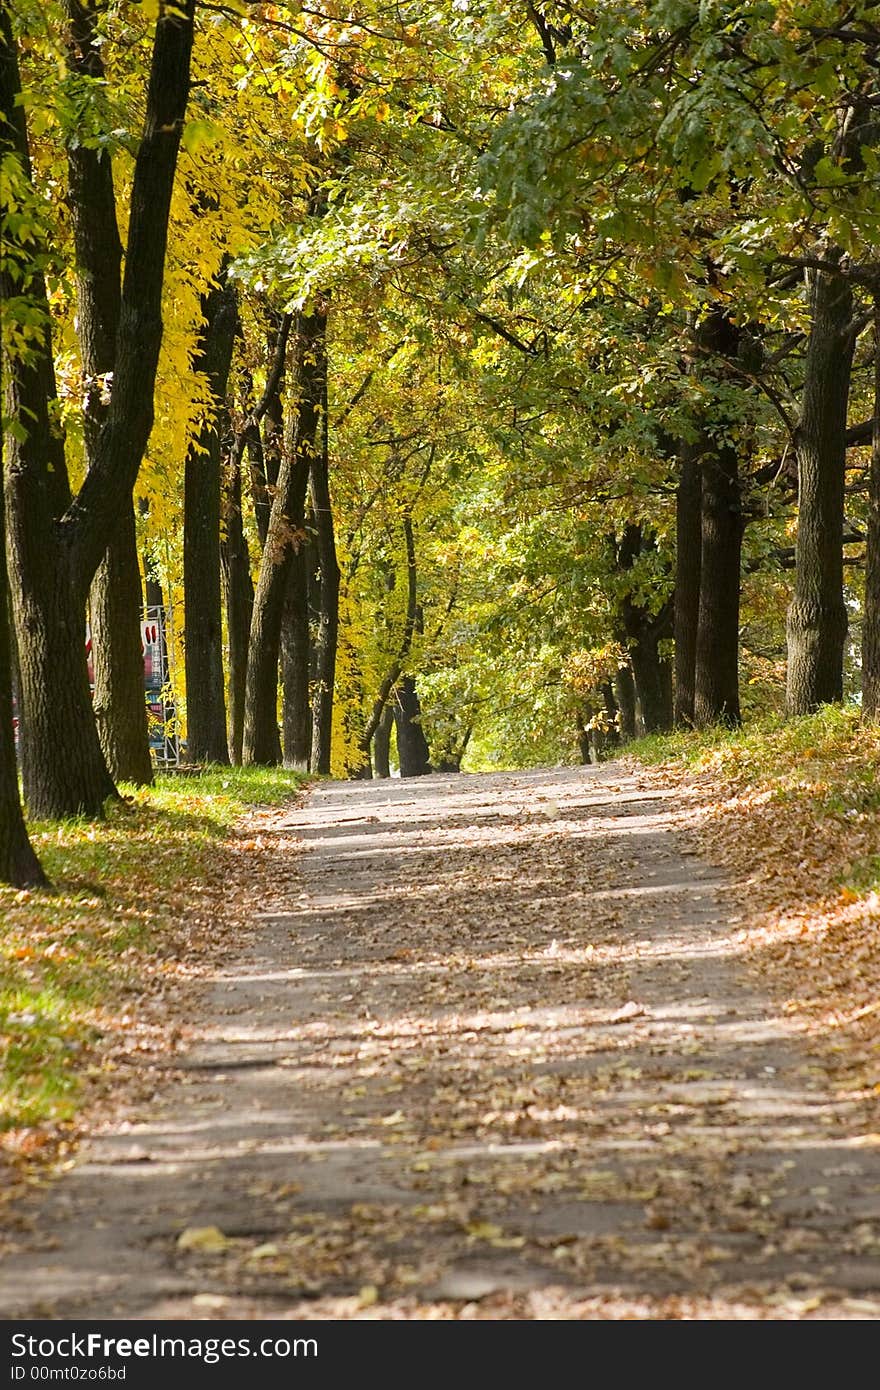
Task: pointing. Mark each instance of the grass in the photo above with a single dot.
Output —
(74, 961)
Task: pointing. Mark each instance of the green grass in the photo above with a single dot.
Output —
(72, 959)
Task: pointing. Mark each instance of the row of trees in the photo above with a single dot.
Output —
(506, 373)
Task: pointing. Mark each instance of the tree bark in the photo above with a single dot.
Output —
(412, 746)
(296, 713)
(56, 545)
(203, 626)
(716, 674)
(115, 607)
(19, 864)
(285, 534)
(871, 622)
(382, 743)
(156, 600)
(409, 628)
(125, 433)
(716, 657)
(239, 593)
(118, 658)
(328, 619)
(625, 692)
(644, 631)
(688, 533)
(63, 768)
(817, 623)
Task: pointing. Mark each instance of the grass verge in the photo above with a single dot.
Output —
(84, 969)
(792, 809)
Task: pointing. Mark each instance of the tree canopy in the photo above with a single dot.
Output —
(550, 366)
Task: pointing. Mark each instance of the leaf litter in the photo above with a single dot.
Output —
(476, 1062)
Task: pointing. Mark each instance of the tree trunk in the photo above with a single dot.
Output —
(328, 619)
(115, 607)
(56, 545)
(265, 450)
(817, 622)
(625, 692)
(156, 600)
(19, 864)
(719, 341)
(871, 624)
(203, 625)
(108, 484)
(118, 658)
(412, 746)
(296, 713)
(63, 767)
(688, 532)
(653, 679)
(285, 534)
(644, 631)
(382, 743)
(585, 749)
(411, 623)
(239, 594)
(716, 675)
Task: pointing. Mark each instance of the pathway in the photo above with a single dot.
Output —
(499, 1058)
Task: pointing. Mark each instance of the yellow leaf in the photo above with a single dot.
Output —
(209, 1240)
(483, 1230)
(368, 1295)
(263, 1252)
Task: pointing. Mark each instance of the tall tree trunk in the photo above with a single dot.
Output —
(63, 767)
(688, 533)
(411, 623)
(382, 743)
(716, 677)
(816, 625)
(115, 607)
(412, 746)
(19, 864)
(625, 692)
(56, 544)
(716, 658)
(296, 708)
(285, 534)
(239, 593)
(871, 624)
(328, 621)
(296, 713)
(156, 600)
(261, 498)
(644, 631)
(118, 658)
(653, 679)
(203, 626)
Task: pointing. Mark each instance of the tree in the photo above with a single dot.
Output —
(19, 864)
(115, 600)
(817, 619)
(56, 541)
(205, 703)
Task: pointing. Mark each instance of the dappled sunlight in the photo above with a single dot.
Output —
(475, 1045)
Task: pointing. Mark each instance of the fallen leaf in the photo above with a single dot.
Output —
(626, 1011)
(208, 1240)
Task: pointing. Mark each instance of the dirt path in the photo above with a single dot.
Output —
(498, 1059)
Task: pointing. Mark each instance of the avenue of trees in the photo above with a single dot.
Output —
(477, 377)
